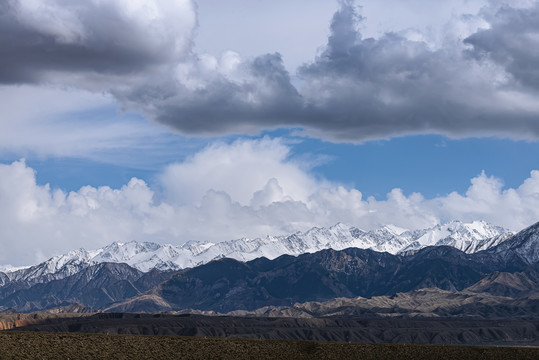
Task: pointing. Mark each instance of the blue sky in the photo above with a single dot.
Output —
(431, 164)
(210, 120)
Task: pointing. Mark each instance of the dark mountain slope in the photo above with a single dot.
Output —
(521, 248)
(226, 284)
(94, 286)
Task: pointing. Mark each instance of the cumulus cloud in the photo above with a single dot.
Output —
(37, 221)
(250, 171)
(477, 78)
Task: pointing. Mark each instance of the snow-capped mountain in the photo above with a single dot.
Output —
(57, 267)
(144, 256)
(525, 245)
(467, 237)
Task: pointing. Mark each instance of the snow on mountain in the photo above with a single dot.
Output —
(524, 244)
(57, 267)
(144, 256)
(467, 237)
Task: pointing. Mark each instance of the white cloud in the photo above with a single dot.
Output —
(276, 195)
(247, 170)
(486, 199)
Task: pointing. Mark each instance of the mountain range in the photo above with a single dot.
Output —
(324, 264)
(226, 285)
(145, 256)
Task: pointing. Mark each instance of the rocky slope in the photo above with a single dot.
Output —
(95, 287)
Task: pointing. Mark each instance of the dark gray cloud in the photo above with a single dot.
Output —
(74, 36)
(390, 86)
(512, 41)
(356, 89)
(215, 104)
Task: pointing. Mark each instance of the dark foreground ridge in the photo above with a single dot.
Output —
(403, 331)
(19, 345)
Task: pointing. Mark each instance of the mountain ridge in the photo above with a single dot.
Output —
(145, 256)
(226, 285)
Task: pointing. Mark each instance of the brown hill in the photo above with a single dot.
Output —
(520, 284)
(408, 331)
(424, 303)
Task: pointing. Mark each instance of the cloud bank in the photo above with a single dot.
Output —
(478, 79)
(262, 190)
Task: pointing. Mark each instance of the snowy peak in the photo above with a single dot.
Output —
(141, 255)
(474, 230)
(524, 244)
(394, 230)
(144, 256)
(55, 268)
(467, 237)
